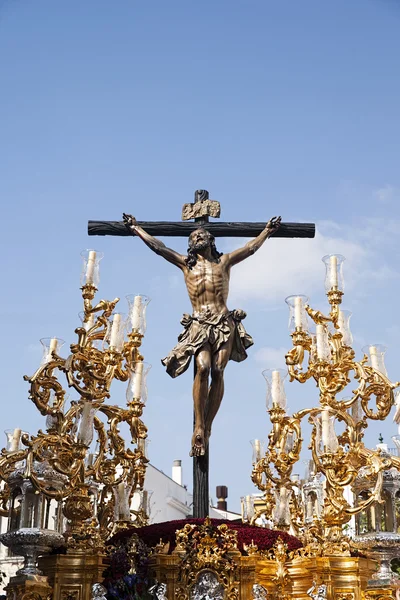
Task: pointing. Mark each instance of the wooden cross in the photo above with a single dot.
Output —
(200, 211)
(208, 208)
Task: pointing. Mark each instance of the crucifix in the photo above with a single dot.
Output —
(213, 334)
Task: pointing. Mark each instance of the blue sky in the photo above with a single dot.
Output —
(282, 107)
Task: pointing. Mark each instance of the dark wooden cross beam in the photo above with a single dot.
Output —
(200, 211)
(201, 217)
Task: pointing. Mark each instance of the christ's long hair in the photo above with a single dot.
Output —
(191, 258)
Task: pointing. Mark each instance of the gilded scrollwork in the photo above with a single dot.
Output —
(328, 358)
(207, 554)
(89, 371)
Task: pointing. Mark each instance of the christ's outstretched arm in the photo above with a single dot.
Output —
(153, 243)
(235, 257)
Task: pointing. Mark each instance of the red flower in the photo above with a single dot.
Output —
(263, 538)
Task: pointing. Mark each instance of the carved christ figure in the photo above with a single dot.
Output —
(213, 334)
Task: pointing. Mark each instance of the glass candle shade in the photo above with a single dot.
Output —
(51, 419)
(90, 321)
(355, 410)
(313, 349)
(122, 493)
(115, 332)
(50, 345)
(141, 501)
(281, 514)
(137, 313)
(143, 446)
(326, 439)
(334, 272)
(13, 437)
(87, 326)
(85, 424)
(258, 450)
(396, 440)
(376, 353)
(323, 347)
(275, 387)
(298, 317)
(247, 503)
(396, 416)
(146, 501)
(295, 478)
(344, 327)
(287, 442)
(137, 387)
(90, 274)
(310, 469)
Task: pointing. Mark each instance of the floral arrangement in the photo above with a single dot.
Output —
(128, 576)
(263, 538)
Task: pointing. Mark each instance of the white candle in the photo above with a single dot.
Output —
(52, 348)
(288, 447)
(309, 510)
(282, 509)
(145, 502)
(14, 444)
(333, 272)
(322, 343)
(373, 352)
(89, 323)
(137, 390)
(91, 263)
(86, 422)
(136, 313)
(123, 503)
(329, 439)
(298, 309)
(115, 330)
(276, 388)
(249, 507)
(257, 449)
(341, 322)
(325, 416)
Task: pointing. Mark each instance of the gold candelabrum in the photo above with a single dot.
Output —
(327, 356)
(95, 485)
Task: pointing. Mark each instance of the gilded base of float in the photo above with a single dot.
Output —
(383, 593)
(72, 575)
(346, 577)
(166, 569)
(28, 587)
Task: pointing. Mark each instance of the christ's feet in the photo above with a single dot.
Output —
(198, 443)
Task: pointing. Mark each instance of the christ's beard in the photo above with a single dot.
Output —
(200, 245)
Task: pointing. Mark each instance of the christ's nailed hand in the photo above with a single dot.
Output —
(274, 224)
(129, 220)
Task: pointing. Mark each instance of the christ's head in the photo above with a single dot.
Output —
(199, 241)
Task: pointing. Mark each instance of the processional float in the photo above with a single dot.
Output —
(94, 492)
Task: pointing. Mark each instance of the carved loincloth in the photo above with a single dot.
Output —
(208, 328)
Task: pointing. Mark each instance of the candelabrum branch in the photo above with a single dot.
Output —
(339, 458)
(65, 446)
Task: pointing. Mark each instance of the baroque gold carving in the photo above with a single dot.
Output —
(206, 548)
(90, 372)
(340, 466)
